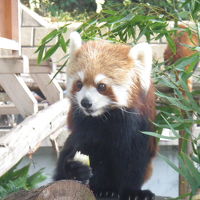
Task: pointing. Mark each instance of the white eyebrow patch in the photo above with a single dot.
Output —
(81, 75)
(99, 78)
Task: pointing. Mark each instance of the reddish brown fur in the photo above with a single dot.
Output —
(182, 37)
(96, 57)
(149, 172)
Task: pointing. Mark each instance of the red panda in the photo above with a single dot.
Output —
(182, 37)
(112, 102)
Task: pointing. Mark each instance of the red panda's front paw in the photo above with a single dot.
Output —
(75, 170)
(138, 195)
(106, 194)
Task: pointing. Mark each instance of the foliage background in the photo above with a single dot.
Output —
(19, 179)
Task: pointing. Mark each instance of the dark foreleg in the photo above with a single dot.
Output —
(67, 168)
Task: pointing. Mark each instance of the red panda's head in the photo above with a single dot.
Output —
(102, 75)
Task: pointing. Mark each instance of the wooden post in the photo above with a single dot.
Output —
(9, 25)
(19, 93)
(50, 88)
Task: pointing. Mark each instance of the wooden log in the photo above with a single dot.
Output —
(29, 134)
(66, 190)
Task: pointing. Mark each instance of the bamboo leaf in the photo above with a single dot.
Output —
(49, 36)
(35, 178)
(159, 135)
(171, 42)
(171, 164)
(63, 43)
(183, 62)
(40, 54)
(51, 51)
(63, 65)
(171, 128)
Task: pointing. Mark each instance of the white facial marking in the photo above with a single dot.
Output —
(70, 81)
(99, 78)
(99, 102)
(142, 55)
(122, 94)
(81, 75)
(75, 42)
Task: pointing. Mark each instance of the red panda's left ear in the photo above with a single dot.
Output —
(142, 56)
(75, 42)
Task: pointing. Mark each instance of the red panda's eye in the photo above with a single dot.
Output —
(79, 85)
(101, 87)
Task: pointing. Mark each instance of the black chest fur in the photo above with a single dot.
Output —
(115, 131)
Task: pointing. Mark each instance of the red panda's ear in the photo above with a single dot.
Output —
(75, 42)
(142, 56)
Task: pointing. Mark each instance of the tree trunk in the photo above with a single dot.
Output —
(60, 190)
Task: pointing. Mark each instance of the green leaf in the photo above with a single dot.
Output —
(40, 54)
(171, 42)
(171, 128)
(174, 101)
(111, 12)
(23, 172)
(35, 178)
(159, 135)
(190, 165)
(49, 36)
(17, 179)
(51, 51)
(170, 163)
(63, 65)
(63, 43)
(183, 62)
(191, 173)
(167, 82)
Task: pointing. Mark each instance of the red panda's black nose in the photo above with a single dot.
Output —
(86, 103)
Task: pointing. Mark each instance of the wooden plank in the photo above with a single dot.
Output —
(9, 44)
(19, 93)
(13, 65)
(29, 134)
(42, 69)
(50, 88)
(50, 63)
(7, 109)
